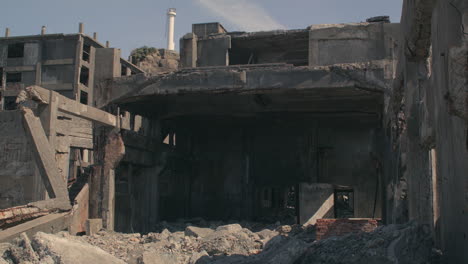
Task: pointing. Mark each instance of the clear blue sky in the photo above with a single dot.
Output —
(128, 24)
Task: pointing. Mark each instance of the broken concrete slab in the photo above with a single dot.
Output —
(198, 231)
(51, 223)
(70, 251)
(229, 228)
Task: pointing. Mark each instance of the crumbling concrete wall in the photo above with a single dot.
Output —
(427, 120)
(20, 184)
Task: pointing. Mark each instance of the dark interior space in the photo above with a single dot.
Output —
(291, 48)
(86, 52)
(84, 76)
(234, 165)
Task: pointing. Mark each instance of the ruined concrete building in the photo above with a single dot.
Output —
(363, 120)
(70, 64)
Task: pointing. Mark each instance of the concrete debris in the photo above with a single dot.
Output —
(55, 249)
(410, 243)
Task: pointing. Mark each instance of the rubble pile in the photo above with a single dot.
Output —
(225, 244)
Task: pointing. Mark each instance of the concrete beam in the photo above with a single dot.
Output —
(45, 156)
(69, 106)
(49, 224)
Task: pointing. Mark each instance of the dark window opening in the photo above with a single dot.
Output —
(86, 52)
(240, 56)
(13, 77)
(84, 76)
(132, 73)
(83, 97)
(123, 71)
(16, 50)
(1, 76)
(344, 203)
(10, 103)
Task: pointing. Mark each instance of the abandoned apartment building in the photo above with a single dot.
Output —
(359, 121)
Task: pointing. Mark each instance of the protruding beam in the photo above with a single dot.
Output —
(50, 224)
(66, 105)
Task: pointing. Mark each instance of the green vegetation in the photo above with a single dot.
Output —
(140, 54)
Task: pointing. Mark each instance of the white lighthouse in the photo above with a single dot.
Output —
(171, 14)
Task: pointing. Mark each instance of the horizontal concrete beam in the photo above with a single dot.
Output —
(73, 107)
(58, 62)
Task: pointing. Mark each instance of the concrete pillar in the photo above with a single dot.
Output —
(43, 30)
(93, 226)
(7, 32)
(188, 51)
(81, 28)
(95, 35)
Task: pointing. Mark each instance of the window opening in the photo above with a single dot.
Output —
(13, 77)
(83, 97)
(84, 76)
(123, 70)
(16, 50)
(86, 52)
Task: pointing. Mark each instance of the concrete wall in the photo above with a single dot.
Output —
(213, 51)
(20, 183)
(348, 43)
(427, 174)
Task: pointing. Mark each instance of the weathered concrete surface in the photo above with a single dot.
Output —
(69, 251)
(44, 156)
(316, 201)
(19, 182)
(427, 171)
(80, 212)
(331, 44)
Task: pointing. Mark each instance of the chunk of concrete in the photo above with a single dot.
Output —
(93, 226)
(198, 231)
(195, 258)
(70, 251)
(267, 234)
(230, 228)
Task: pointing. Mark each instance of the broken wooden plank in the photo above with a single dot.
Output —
(45, 156)
(51, 223)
